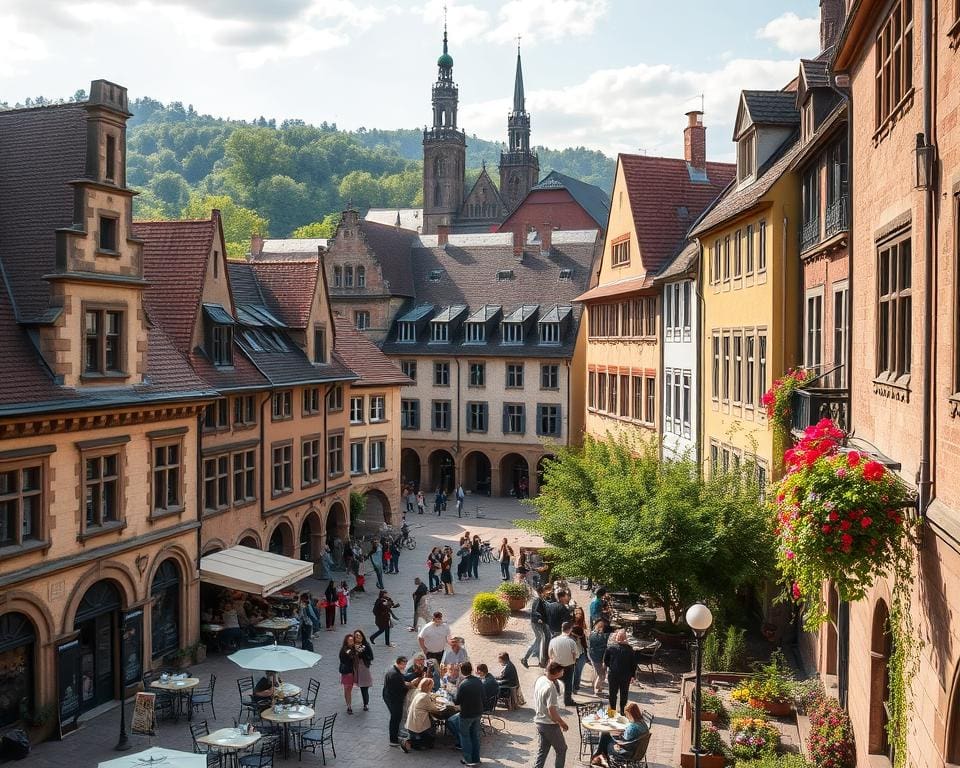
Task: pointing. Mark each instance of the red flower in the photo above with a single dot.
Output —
(846, 541)
(834, 517)
(873, 471)
(795, 591)
(844, 525)
(853, 458)
(825, 528)
(865, 521)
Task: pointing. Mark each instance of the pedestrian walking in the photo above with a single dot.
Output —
(394, 693)
(419, 604)
(563, 650)
(306, 623)
(330, 604)
(347, 666)
(460, 495)
(505, 553)
(376, 560)
(436, 502)
(383, 616)
(538, 624)
(465, 725)
(420, 502)
(550, 726)
(343, 601)
(362, 678)
(475, 547)
(621, 663)
(446, 578)
(596, 648)
(434, 636)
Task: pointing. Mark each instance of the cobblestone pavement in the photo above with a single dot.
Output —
(361, 738)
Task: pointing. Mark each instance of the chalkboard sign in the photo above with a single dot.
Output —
(132, 647)
(68, 686)
(144, 721)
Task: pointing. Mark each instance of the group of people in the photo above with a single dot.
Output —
(415, 500)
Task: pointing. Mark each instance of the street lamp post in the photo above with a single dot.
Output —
(699, 619)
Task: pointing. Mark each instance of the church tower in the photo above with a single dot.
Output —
(444, 151)
(519, 167)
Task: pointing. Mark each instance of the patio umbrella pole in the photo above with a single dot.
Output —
(123, 743)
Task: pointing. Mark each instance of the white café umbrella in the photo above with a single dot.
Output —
(274, 658)
(158, 757)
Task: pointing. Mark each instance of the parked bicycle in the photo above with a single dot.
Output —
(486, 552)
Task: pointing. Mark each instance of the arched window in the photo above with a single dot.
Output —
(438, 167)
(17, 641)
(361, 277)
(165, 613)
(514, 187)
(881, 648)
(830, 629)
(437, 198)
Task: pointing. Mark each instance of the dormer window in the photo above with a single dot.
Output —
(103, 342)
(476, 333)
(620, 252)
(566, 274)
(338, 277)
(109, 160)
(108, 234)
(361, 277)
(512, 333)
(435, 275)
(505, 274)
(407, 332)
(747, 157)
(348, 276)
(319, 344)
(222, 345)
(549, 333)
(806, 120)
(439, 332)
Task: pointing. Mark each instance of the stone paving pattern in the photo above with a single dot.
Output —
(361, 738)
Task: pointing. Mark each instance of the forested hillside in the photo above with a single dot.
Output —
(292, 178)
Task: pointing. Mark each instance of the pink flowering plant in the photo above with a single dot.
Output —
(830, 741)
(839, 517)
(777, 399)
(751, 737)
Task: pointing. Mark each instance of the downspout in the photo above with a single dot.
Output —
(456, 448)
(263, 452)
(701, 324)
(924, 480)
(566, 364)
(200, 486)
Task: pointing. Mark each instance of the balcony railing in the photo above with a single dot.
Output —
(835, 218)
(810, 233)
(809, 405)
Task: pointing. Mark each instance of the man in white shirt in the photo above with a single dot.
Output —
(550, 726)
(563, 650)
(433, 637)
(456, 653)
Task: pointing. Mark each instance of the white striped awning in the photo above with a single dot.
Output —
(252, 570)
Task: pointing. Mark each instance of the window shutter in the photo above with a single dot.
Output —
(506, 420)
(415, 415)
(483, 416)
(469, 425)
(540, 414)
(559, 428)
(523, 419)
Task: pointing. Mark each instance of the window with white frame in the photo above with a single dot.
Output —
(361, 277)
(813, 327)
(750, 370)
(514, 419)
(738, 367)
(441, 415)
(550, 376)
(686, 402)
(407, 332)
(441, 374)
(439, 331)
(549, 333)
(478, 374)
(512, 333)
(409, 414)
(476, 333)
(348, 276)
(356, 457)
(409, 368)
(356, 410)
(378, 408)
(668, 401)
(548, 419)
(477, 417)
(378, 455)
(515, 375)
(361, 320)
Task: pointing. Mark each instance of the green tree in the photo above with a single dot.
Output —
(239, 223)
(285, 202)
(360, 190)
(613, 511)
(402, 190)
(256, 154)
(171, 190)
(326, 228)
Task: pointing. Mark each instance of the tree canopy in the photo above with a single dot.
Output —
(613, 511)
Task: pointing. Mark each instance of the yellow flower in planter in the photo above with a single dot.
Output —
(740, 694)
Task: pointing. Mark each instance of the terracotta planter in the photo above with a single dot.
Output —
(688, 760)
(517, 603)
(775, 708)
(669, 640)
(705, 717)
(489, 625)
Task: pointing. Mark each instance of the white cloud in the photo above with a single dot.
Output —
(641, 106)
(539, 20)
(466, 21)
(792, 34)
(17, 47)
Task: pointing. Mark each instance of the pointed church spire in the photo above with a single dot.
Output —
(519, 103)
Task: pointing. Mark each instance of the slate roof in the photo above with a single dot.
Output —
(666, 201)
(815, 72)
(175, 255)
(288, 288)
(391, 245)
(681, 264)
(41, 149)
(772, 107)
(468, 274)
(739, 199)
(594, 200)
(408, 218)
(364, 358)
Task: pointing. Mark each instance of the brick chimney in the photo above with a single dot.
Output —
(695, 141)
(545, 234)
(519, 236)
(256, 244)
(443, 235)
(832, 16)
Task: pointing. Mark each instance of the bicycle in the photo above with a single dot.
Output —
(486, 552)
(410, 542)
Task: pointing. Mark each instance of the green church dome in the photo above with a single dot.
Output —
(445, 60)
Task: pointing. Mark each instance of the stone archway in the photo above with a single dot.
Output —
(281, 540)
(410, 468)
(881, 649)
(478, 473)
(443, 473)
(311, 536)
(514, 475)
(378, 507)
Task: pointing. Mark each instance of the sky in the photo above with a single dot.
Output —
(613, 75)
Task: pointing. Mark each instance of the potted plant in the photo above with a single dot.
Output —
(515, 593)
(181, 658)
(771, 687)
(671, 635)
(199, 652)
(830, 740)
(489, 613)
(753, 737)
(711, 706)
(712, 747)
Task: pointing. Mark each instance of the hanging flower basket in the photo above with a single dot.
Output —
(840, 517)
(777, 399)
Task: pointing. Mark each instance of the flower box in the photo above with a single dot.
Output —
(775, 708)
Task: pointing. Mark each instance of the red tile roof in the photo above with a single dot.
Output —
(624, 287)
(364, 358)
(659, 189)
(288, 287)
(175, 255)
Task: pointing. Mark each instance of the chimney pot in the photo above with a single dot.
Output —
(519, 236)
(695, 141)
(256, 244)
(546, 238)
(443, 234)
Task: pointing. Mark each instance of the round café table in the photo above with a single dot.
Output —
(230, 742)
(603, 724)
(277, 626)
(179, 686)
(295, 714)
